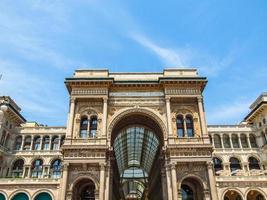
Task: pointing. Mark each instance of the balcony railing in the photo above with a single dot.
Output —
(188, 140)
(89, 141)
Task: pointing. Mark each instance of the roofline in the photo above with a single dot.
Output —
(14, 110)
(256, 108)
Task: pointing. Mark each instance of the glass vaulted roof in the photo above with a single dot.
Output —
(135, 149)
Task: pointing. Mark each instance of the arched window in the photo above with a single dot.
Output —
(2, 197)
(226, 141)
(2, 141)
(18, 142)
(93, 127)
(217, 163)
(37, 143)
(17, 169)
(252, 140)
(20, 196)
(180, 126)
(217, 141)
(43, 196)
(84, 127)
(88, 192)
(234, 164)
(253, 163)
(56, 169)
(55, 143)
(260, 197)
(235, 141)
(244, 141)
(62, 140)
(46, 141)
(189, 126)
(27, 143)
(37, 168)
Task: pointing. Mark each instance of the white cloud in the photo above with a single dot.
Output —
(167, 55)
(234, 111)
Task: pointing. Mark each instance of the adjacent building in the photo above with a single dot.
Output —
(133, 136)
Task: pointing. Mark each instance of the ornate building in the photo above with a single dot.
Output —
(133, 136)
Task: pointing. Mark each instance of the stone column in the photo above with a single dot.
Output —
(70, 119)
(41, 142)
(168, 109)
(212, 181)
(239, 142)
(32, 138)
(5, 140)
(163, 183)
(104, 120)
(202, 116)
(212, 140)
(169, 186)
(221, 136)
(107, 182)
(174, 182)
(102, 182)
(249, 145)
(50, 142)
(64, 181)
(22, 142)
(185, 127)
(231, 142)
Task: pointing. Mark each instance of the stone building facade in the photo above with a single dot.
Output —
(133, 136)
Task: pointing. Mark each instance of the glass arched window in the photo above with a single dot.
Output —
(217, 163)
(252, 140)
(244, 141)
(187, 192)
(46, 141)
(2, 141)
(56, 169)
(234, 164)
(226, 141)
(18, 143)
(37, 143)
(17, 169)
(84, 127)
(189, 126)
(253, 163)
(235, 141)
(43, 196)
(37, 168)
(27, 143)
(180, 126)
(55, 143)
(217, 141)
(93, 127)
(20, 196)
(2, 197)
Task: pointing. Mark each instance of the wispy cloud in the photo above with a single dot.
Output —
(229, 112)
(167, 55)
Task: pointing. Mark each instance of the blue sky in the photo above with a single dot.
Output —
(44, 41)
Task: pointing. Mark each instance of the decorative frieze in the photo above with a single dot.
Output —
(180, 91)
(90, 91)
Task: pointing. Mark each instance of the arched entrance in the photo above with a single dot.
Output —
(191, 189)
(84, 190)
(136, 140)
(255, 195)
(232, 195)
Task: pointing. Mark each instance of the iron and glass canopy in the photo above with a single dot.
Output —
(135, 149)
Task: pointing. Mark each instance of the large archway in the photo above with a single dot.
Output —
(137, 140)
(84, 190)
(192, 189)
